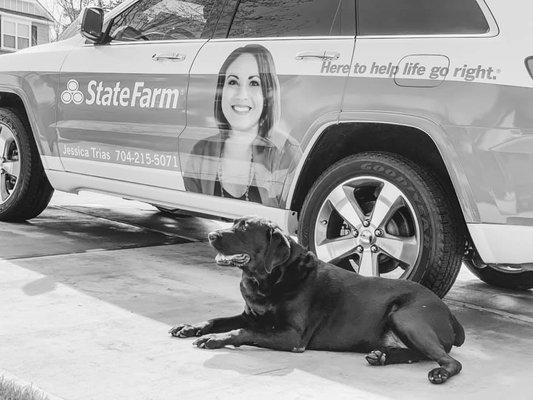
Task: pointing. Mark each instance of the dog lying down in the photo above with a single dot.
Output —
(296, 302)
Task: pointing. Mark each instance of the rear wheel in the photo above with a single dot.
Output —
(379, 214)
(24, 189)
(506, 276)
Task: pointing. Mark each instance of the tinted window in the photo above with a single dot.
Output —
(420, 17)
(270, 18)
(165, 20)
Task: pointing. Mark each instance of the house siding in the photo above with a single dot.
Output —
(30, 11)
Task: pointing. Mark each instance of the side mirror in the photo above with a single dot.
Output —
(92, 24)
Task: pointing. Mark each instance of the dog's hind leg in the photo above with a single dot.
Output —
(428, 333)
(394, 355)
(393, 351)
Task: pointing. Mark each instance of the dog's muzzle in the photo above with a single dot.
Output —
(234, 260)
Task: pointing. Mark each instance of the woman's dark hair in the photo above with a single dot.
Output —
(269, 86)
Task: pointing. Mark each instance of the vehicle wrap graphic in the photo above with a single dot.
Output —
(118, 95)
(120, 155)
(472, 96)
(242, 161)
(72, 94)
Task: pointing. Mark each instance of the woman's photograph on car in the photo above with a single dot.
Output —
(241, 161)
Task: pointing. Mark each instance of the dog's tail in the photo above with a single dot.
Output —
(458, 331)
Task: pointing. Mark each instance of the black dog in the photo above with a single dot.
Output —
(296, 302)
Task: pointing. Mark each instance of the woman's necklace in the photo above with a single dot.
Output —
(250, 177)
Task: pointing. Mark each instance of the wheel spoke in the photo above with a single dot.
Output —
(5, 139)
(387, 203)
(12, 168)
(343, 200)
(368, 263)
(404, 249)
(3, 187)
(332, 250)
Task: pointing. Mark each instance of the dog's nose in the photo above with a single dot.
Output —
(212, 236)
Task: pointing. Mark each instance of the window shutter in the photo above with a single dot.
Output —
(34, 35)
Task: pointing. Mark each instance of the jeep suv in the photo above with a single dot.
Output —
(395, 138)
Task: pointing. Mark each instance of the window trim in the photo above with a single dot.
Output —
(280, 38)
(493, 31)
(16, 20)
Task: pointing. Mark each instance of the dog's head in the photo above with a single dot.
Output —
(252, 244)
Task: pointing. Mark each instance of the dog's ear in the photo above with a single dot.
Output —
(278, 250)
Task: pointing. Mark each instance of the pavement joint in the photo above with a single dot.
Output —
(505, 314)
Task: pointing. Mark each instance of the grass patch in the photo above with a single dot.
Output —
(9, 390)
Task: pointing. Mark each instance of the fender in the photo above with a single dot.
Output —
(46, 143)
(435, 132)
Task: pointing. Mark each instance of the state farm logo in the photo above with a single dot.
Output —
(72, 94)
(117, 94)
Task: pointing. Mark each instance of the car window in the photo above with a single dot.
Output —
(274, 18)
(420, 17)
(165, 20)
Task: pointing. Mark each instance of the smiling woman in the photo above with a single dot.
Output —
(246, 109)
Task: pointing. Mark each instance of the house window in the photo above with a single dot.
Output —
(16, 34)
(9, 34)
(23, 36)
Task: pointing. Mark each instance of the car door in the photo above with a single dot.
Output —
(299, 54)
(123, 104)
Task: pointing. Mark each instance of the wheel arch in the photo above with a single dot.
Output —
(415, 138)
(16, 100)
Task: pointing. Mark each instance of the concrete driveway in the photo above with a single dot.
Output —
(90, 288)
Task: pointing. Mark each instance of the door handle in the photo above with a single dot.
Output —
(169, 57)
(322, 55)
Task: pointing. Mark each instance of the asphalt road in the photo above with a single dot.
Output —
(90, 288)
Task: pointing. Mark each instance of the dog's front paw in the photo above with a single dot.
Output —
(186, 330)
(213, 341)
(376, 357)
(438, 375)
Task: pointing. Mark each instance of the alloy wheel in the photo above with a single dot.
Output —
(9, 163)
(368, 224)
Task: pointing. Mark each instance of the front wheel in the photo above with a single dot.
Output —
(24, 189)
(380, 214)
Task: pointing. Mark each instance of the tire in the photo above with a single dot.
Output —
(502, 276)
(24, 189)
(419, 238)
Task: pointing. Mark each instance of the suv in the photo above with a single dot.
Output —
(395, 138)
